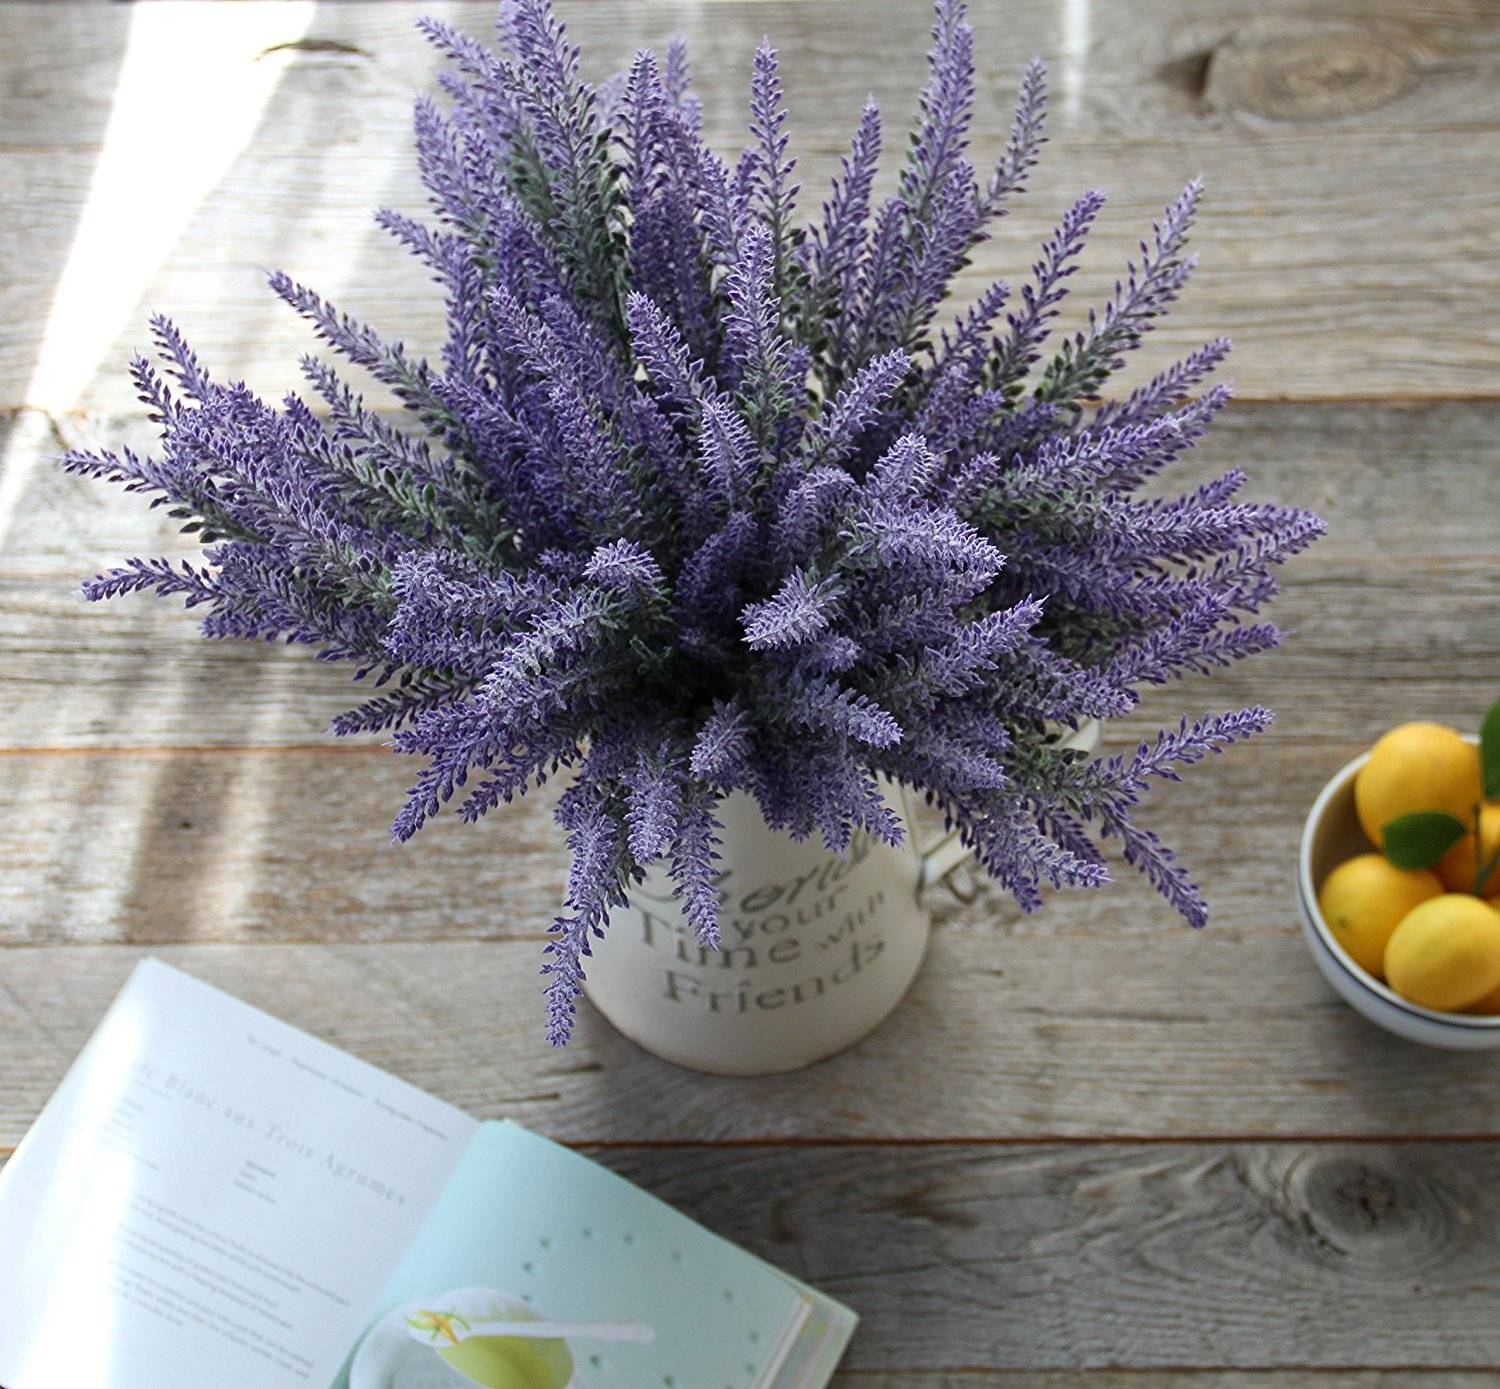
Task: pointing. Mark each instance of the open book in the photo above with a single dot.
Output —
(215, 1198)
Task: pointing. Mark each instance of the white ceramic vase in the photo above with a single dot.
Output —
(816, 949)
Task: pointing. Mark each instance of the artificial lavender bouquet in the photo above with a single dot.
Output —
(700, 499)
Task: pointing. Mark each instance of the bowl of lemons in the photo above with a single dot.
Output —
(1399, 884)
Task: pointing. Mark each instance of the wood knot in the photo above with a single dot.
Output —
(1361, 1208)
(1324, 76)
(1360, 1199)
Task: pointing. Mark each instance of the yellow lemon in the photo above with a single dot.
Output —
(1490, 1003)
(1418, 766)
(1457, 867)
(1363, 901)
(1445, 954)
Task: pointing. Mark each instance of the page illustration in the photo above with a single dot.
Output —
(485, 1337)
(539, 1269)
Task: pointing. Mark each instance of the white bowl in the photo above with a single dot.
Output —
(1331, 835)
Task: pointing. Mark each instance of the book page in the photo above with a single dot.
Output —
(540, 1268)
(210, 1198)
(820, 1344)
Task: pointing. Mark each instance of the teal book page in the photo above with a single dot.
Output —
(539, 1269)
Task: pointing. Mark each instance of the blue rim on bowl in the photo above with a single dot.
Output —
(1330, 834)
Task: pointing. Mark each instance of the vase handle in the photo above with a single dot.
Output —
(941, 860)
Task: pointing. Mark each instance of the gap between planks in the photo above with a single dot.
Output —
(1017, 1143)
(1289, 741)
(1191, 1377)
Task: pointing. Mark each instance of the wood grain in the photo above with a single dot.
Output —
(287, 845)
(1165, 1379)
(1212, 1035)
(1134, 65)
(1282, 1256)
(1381, 231)
(1272, 1257)
(1405, 277)
(1371, 642)
(268, 844)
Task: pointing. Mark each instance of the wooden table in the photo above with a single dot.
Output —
(1093, 1149)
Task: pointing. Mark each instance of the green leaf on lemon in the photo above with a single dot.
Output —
(1420, 839)
(1489, 752)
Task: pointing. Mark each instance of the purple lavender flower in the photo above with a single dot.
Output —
(696, 500)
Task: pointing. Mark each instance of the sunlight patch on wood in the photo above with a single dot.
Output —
(1075, 56)
(188, 100)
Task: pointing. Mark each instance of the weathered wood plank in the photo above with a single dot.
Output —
(1390, 613)
(265, 845)
(1276, 109)
(292, 845)
(1372, 643)
(1210, 62)
(287, 846)
(971, 1378)
(1395, 481)
(1215, 1034)
(1271, 1255)
(1282, 262)
(983, 1267)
